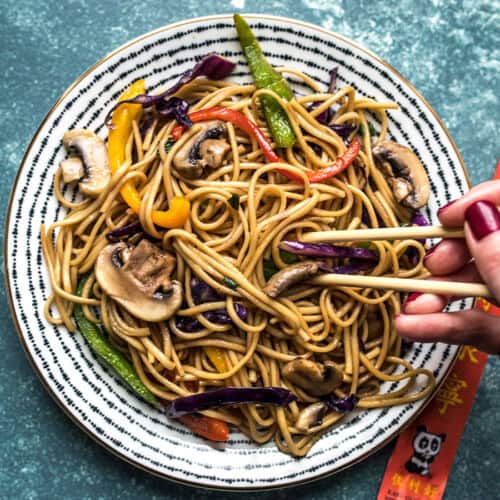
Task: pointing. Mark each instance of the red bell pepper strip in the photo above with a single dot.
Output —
(207, 427)
(240, 121)
(341, 163)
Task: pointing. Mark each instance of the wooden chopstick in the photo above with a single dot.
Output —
(452, 288)
(383, 233)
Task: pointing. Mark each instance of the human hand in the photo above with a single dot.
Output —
(474, 259)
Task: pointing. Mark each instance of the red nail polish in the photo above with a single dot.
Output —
(430, 251)
(483, 218)
(411, 298)
(446, 206)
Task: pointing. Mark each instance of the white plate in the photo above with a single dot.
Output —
(91, 394)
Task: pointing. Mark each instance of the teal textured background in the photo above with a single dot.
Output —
(450, 50)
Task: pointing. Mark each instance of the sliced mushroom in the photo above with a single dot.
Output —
(317, 379)
(72, 169)
(406, 174)
(290, 275)
(311, 416)
(94, 155)
(212, 151)
(203, 149)
(138, 278)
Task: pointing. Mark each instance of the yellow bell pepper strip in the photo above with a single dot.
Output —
(216, 358)
(121, 127)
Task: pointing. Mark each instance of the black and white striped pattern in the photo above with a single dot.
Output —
(89, 392)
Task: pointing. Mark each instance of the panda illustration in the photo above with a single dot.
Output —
(426, 447)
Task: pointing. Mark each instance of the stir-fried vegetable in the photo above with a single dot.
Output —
(203, 293)
(242, 122)
(327, 250)
(216, 358)
(239, 120)
(207, 427)
(119, 133)
(342, 405)
(220, 316)
(109, 353)
(174, 107)
(230, 283)
(229, 396)
(338, 166)
(419, 219)
(213, 66)
(121, 232)
(371, 129)
(325, 116)
(342, 130)
(266, 77)
(121, 126)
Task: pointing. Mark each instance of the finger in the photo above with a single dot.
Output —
(473, 327)
(426, 303)
(482, 233)
(447, 257)
(453, 214)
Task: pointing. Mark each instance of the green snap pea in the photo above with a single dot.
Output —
(108, 352)
(266, 77)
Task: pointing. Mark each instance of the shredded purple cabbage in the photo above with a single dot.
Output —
(221, 315)
(229, 396)
(419, 219)
(342, 130)
(327, 250)
(174, 107)
(120, 232)
(325, 117)
(342, 405)
(190, 324)
(203, 293)
(212, 66)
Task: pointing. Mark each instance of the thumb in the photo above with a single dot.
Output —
(482, 232)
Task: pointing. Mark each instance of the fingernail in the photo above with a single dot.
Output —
(483, 218)
(444, 207)
(411, 298)
(430, 251)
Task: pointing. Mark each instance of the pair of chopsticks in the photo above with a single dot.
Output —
(453, 288)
